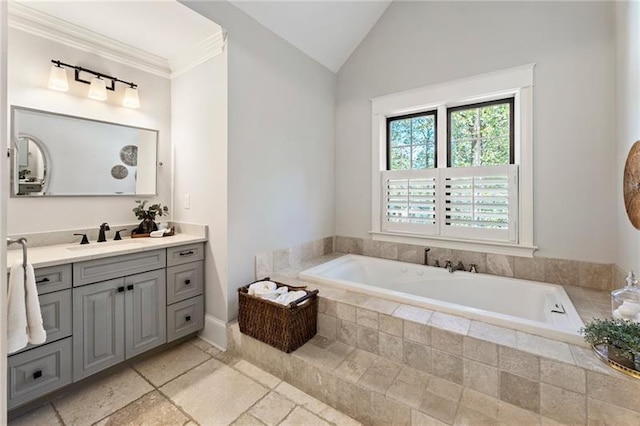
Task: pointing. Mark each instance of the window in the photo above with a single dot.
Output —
(411, 141)
(452, 162)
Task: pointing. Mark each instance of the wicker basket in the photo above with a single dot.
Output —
(283, 327)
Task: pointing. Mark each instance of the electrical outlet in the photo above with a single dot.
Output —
(187, 201)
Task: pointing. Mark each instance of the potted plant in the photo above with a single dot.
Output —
(148, 216)
(622, 338)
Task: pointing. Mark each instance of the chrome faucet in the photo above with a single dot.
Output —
(101, 236)
(473, 268)
(426, 255)
(458, 267)
(447, 265)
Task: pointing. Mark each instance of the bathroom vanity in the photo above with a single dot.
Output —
(101, 307)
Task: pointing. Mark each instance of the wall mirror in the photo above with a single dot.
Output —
(62, 155)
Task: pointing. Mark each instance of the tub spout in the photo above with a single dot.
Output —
(458, 267)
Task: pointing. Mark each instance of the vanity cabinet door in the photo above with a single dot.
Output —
(98, 327)
(146, 315)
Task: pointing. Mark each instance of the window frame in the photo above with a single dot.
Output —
(413, 115)
(514, 82)
(512, 131)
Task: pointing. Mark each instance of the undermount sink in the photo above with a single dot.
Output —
(107, 246)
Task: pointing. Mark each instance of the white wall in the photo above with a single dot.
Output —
(415, 44)
(199, 126)
(281, 150)
(628, 121)
(29, 65)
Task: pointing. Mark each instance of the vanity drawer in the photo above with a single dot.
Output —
(53, 278)
(93, 271)
(39, 371)
(184, 281)
(56, 316)
(184, 318)
(185, 254)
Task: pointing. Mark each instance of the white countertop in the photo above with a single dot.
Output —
(60, 254)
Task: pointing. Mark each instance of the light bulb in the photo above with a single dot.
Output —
(98, 89)
(58, 79)
(131, 99)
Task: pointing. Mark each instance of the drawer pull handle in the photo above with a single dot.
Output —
(120, 289)
(187, 318)
(37, 374)
(187, 282)
(44, 280)
(186, 253)
(130, 287)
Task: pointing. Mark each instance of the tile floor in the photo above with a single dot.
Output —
(189, 384)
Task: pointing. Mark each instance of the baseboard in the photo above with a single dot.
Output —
(214, 332)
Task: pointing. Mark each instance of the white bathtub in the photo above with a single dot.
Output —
(507, 302)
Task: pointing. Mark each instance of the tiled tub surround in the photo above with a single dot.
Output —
(290, 260)
(598, 276)
(382, 362)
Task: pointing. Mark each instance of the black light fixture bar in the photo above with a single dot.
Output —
(78, 70)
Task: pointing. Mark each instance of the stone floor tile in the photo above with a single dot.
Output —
(441, 408)
(103, 397)
(272, 409)
(214, 394)
(511, 415)
(468, 417)
(318, 357)
(388, 412)
(246, 420)
(300, 417)
(380, 375)
(355, 365)
(444, 388)
(214, 351)
(200, 344)
(602, 413)
(43, 416)
(226, 357)
(299, 397)
(421, 419)
(257, 374)
(170, 363)
(150, 410)
(321, 341)
(334, 416)
(410, 394)
(481, 402)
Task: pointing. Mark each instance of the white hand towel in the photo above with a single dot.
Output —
(262, 287)
(17, 337)
(37, 333)
(291, 296)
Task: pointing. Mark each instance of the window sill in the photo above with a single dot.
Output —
(456, 244)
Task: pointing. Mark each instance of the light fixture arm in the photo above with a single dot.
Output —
(78, 70)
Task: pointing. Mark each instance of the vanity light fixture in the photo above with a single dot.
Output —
(99, 83)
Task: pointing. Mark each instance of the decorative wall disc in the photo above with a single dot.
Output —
(129, 155)
(119, 172)
(631, 185)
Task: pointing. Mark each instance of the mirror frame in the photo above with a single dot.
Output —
(13, 154)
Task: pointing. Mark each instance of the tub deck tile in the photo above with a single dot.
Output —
(492, 333)
(544, 347)
(413, 313)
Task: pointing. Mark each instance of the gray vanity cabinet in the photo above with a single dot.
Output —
(98, 327)
(145, 312)
(117, 319)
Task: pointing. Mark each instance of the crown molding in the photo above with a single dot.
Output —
(33, 21)
(203, 51)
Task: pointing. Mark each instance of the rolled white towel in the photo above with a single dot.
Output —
(616, 314)
(629, 309)
(272, 295)
(291, 296)
(262, 287)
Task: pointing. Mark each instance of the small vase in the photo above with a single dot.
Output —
(147, 226)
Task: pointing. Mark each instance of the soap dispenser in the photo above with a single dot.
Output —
(625, 302)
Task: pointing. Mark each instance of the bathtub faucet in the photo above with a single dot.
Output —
(458, 267)
(426, 255)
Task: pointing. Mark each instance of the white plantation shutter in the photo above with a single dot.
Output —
(478, 203)
(409, 200)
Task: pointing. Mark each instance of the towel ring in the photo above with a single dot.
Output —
(23, 242)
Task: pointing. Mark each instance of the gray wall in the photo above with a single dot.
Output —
(628, 122)
(280, 143)
(416, 44)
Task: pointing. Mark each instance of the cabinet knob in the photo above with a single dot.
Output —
(120, 289)
(187, 282)
(44, 280)
(187, 318)
(37, 374)
(130, 287)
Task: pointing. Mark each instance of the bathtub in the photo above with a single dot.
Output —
(532, 307)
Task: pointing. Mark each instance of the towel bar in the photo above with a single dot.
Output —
(23, 242)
